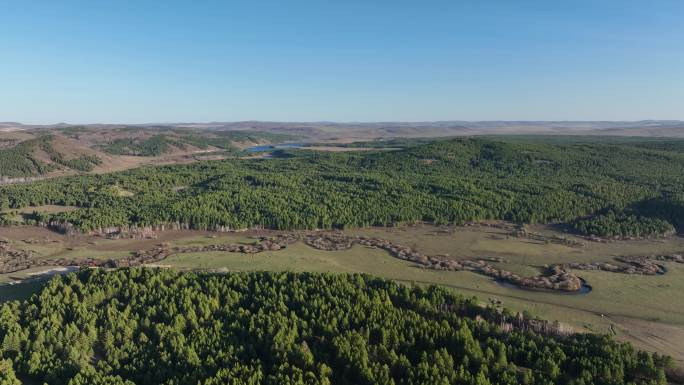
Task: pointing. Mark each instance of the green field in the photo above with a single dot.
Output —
(482, 241)
(640, 309)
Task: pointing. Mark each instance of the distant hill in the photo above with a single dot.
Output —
(58, 149)
(45, 154)
(10, 126)
(27, 151)
(372, 130)
(369, 130)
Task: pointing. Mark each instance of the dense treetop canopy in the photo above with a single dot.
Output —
(443, 181)
(141, 326)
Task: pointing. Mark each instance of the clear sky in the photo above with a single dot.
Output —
(344, 60)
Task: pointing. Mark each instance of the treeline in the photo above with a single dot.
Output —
(163, 143)
(227, 140)
(448, 181)
(621, 225)
(153, 146)
(13, 217)
(394, 143)
(141, 326)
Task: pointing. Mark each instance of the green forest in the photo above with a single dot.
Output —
(532, 180)
(21, 161)
(226, 140)
(621, 224)
(18, 161)
(152, 146)
(161, 144)
(143, 326)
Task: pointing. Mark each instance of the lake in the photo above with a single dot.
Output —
(271, 147)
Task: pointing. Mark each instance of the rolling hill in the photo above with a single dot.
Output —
(45, 152)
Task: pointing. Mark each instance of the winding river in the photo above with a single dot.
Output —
(584, 289)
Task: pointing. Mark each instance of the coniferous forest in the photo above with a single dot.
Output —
(342, 192)
(20, 160)
(607, 187)
(142, 326)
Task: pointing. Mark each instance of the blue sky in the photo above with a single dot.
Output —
(170, 61)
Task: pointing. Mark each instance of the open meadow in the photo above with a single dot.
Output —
(641, 309)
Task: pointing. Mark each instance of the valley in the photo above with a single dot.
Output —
(636, 308)
(342, 193)
(583, 234)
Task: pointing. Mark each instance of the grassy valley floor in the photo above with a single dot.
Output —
(644, 310)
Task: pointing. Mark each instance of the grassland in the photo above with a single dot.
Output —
(482, 241)
(641, 309)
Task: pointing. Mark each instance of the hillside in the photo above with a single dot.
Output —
(43, 152)
(46, 154)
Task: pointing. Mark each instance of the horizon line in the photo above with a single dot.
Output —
(344, 122)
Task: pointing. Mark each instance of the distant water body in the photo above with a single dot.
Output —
(271, 147)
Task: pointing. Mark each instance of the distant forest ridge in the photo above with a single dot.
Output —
(610, 188)
(652, 128)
